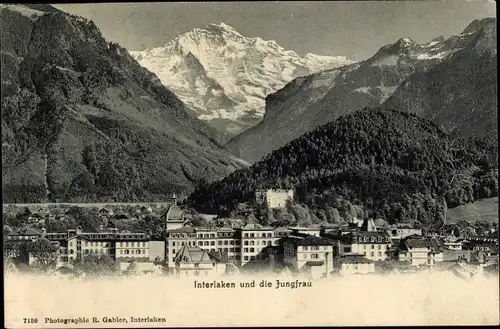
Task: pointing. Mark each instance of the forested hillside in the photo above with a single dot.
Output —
(395, 165)
(82, 121)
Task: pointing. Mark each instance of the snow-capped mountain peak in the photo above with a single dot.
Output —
(232, 74)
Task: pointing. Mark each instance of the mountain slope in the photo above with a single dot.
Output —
(224, 77)
(314, 100)
(395, 165)
(459, 94)
(83, 121)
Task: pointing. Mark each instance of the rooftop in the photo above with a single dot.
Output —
(195, 255)
(301, 239)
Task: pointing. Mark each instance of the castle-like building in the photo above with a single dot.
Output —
(274, 198)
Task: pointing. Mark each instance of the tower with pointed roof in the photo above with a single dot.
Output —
(369, 225)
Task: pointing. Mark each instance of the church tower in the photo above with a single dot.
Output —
(368, 225)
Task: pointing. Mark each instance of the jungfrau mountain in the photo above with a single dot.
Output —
(224, 77)
(82, 121)
(307, 102)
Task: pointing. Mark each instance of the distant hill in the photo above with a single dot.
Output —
(395, 165)
(82, 121)
(450, 81)
(486, 209)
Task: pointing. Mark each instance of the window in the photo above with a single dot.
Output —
(269, 243)
(200, 243)
(212, 243)
(246, 243)
(246, 235)
(252, 243)
(237, 257)
(219, 242)
(226, 243)
(252, 249)
(378, 247)
(231, 249)
(138, 251)
(245, 249)
(304, 256)
(314, 256)
(245, 258)
(206, 243)
(238, 249)
(380, 253)
(372, 254)
(263, 242)
(231, 242)
(269, 235)
(252, 235)
(373, 246)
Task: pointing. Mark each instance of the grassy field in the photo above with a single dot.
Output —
(486, 209)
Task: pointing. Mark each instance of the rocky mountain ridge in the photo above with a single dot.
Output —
(224, 76)
(316, 99)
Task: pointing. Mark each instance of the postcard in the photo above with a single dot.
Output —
(305, 163)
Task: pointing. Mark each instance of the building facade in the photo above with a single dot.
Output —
(421, 251)
(250, 243)
(308, 254)
(274, 198)
(192, 261)
(77, 243)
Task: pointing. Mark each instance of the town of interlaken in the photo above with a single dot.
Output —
(188, 245)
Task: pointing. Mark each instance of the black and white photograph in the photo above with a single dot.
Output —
(254, 163)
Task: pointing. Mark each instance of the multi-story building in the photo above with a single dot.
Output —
(195, 261)
(421, 251)
(274, 198)
(77, 243)
(369, 242)
(355, 264)
(401, 231)
(250, 243)
(308, 254)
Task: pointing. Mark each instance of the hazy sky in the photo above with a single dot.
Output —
(356, 29)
